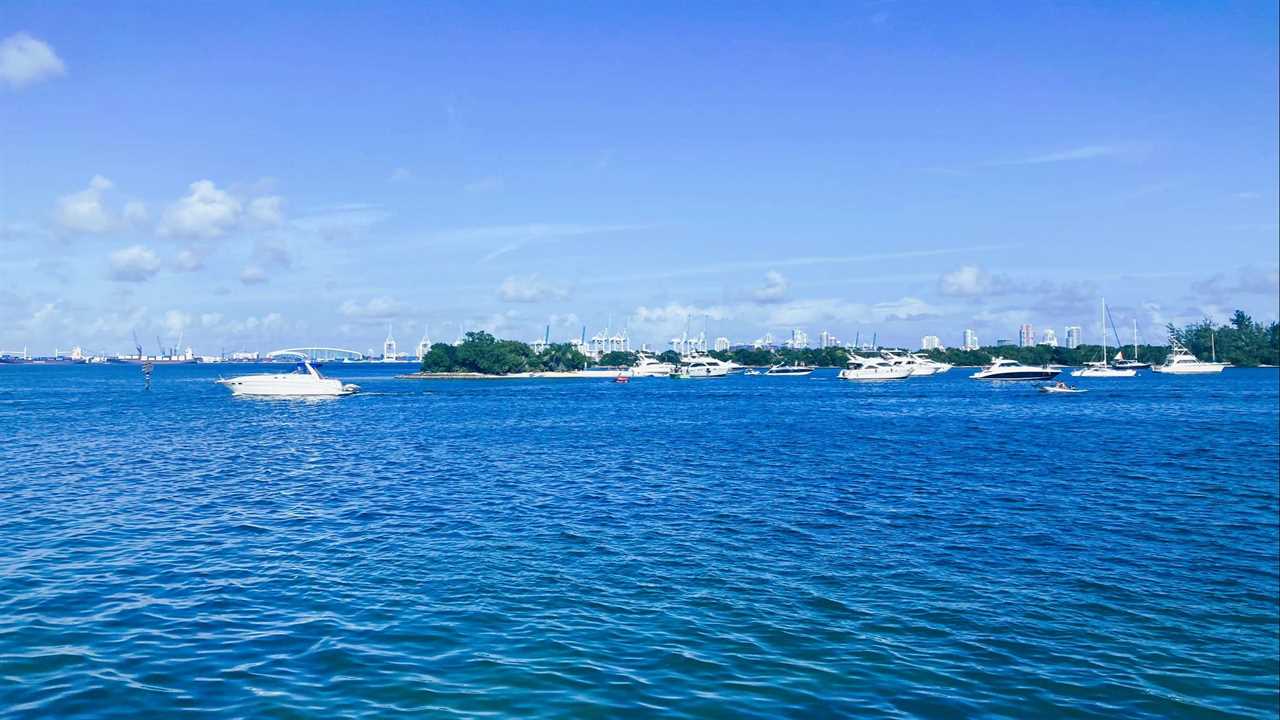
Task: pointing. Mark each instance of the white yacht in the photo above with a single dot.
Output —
(1100, 368)
(304, 381)
(1182, 362)
(1005, 369)
(698, 367)
(938, 367)
(649, 366)
(784, 370)
(874, 368)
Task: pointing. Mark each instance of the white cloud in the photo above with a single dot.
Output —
(774, 289)
(529, 289)
(206, 212)
(176, 321)
(134, 264)
(253, 275)
(188, 261)
(25, 60)
(267, 210)
(799, 313)
(669, 320)
(84, 211)
(210, 320)
(135, 212)
(968, 281)
(377, 308)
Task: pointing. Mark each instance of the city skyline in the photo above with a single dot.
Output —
(491, 171)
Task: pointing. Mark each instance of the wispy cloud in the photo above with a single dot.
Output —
(1084, 152)
(799, 261)
(511, 238)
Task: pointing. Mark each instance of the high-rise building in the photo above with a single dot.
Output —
(827, 340)
(722, 344)
(930, 342)
(970, 340)
(1049, 338)
(799, 339)
(1026, 335)
(1073, 337)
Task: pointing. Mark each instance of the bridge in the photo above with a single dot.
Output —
(317, 354)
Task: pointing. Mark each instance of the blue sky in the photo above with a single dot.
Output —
(265, 175)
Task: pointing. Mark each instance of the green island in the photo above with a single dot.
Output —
(1241, 342)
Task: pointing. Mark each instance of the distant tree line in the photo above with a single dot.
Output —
(1241, 342)
(480, 352)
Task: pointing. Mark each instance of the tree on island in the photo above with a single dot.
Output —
(617, 358)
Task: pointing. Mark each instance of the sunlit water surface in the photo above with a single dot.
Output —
(747, 547)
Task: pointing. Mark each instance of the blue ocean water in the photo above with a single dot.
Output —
(746, 547)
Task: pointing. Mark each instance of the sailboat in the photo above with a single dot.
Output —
(1133, 363)
(1100, 368)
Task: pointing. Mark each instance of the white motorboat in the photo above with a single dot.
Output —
(700, 367)
(789, 370)
(873, 368)
(1100, 368)
(649, 366)
(900, 359)
(1182, 362)
(304, 381)
(1061, 388)
(1005, 369)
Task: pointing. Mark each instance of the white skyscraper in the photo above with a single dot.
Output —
(930, 342)
(970, 340)
(1073, 337)
(722, 344)
(799, 339)
(1049, 338)
(1026, 335)
(827, 340)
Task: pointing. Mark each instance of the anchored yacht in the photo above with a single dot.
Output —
(873, 368)
(649, 366)
(699, 367)
(304, 381)
(789, 370)
(1005, 369)
(1182, 362)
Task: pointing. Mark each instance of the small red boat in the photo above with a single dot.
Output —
(622, 379)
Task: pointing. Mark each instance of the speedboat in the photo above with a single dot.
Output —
(1182, 362)
(1005, 369)
(649, 366)
(699, 367)
(899, 359)
(873, 368)
(1101, 369)
(1061, 388)
(789, 370)
(304, 381)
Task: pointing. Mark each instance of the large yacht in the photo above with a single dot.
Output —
(1005, 369)
(938, 367)
(874, 368)
(1182, 362)
(698, 367)
(649, 366)
(304, 381)
(784, 370)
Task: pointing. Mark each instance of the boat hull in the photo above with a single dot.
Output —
(1019, 375)
(1189, 369)
(1103, 373)
(891, 373)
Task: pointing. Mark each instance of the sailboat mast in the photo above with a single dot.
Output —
(1103, 316)
(1135, 339)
